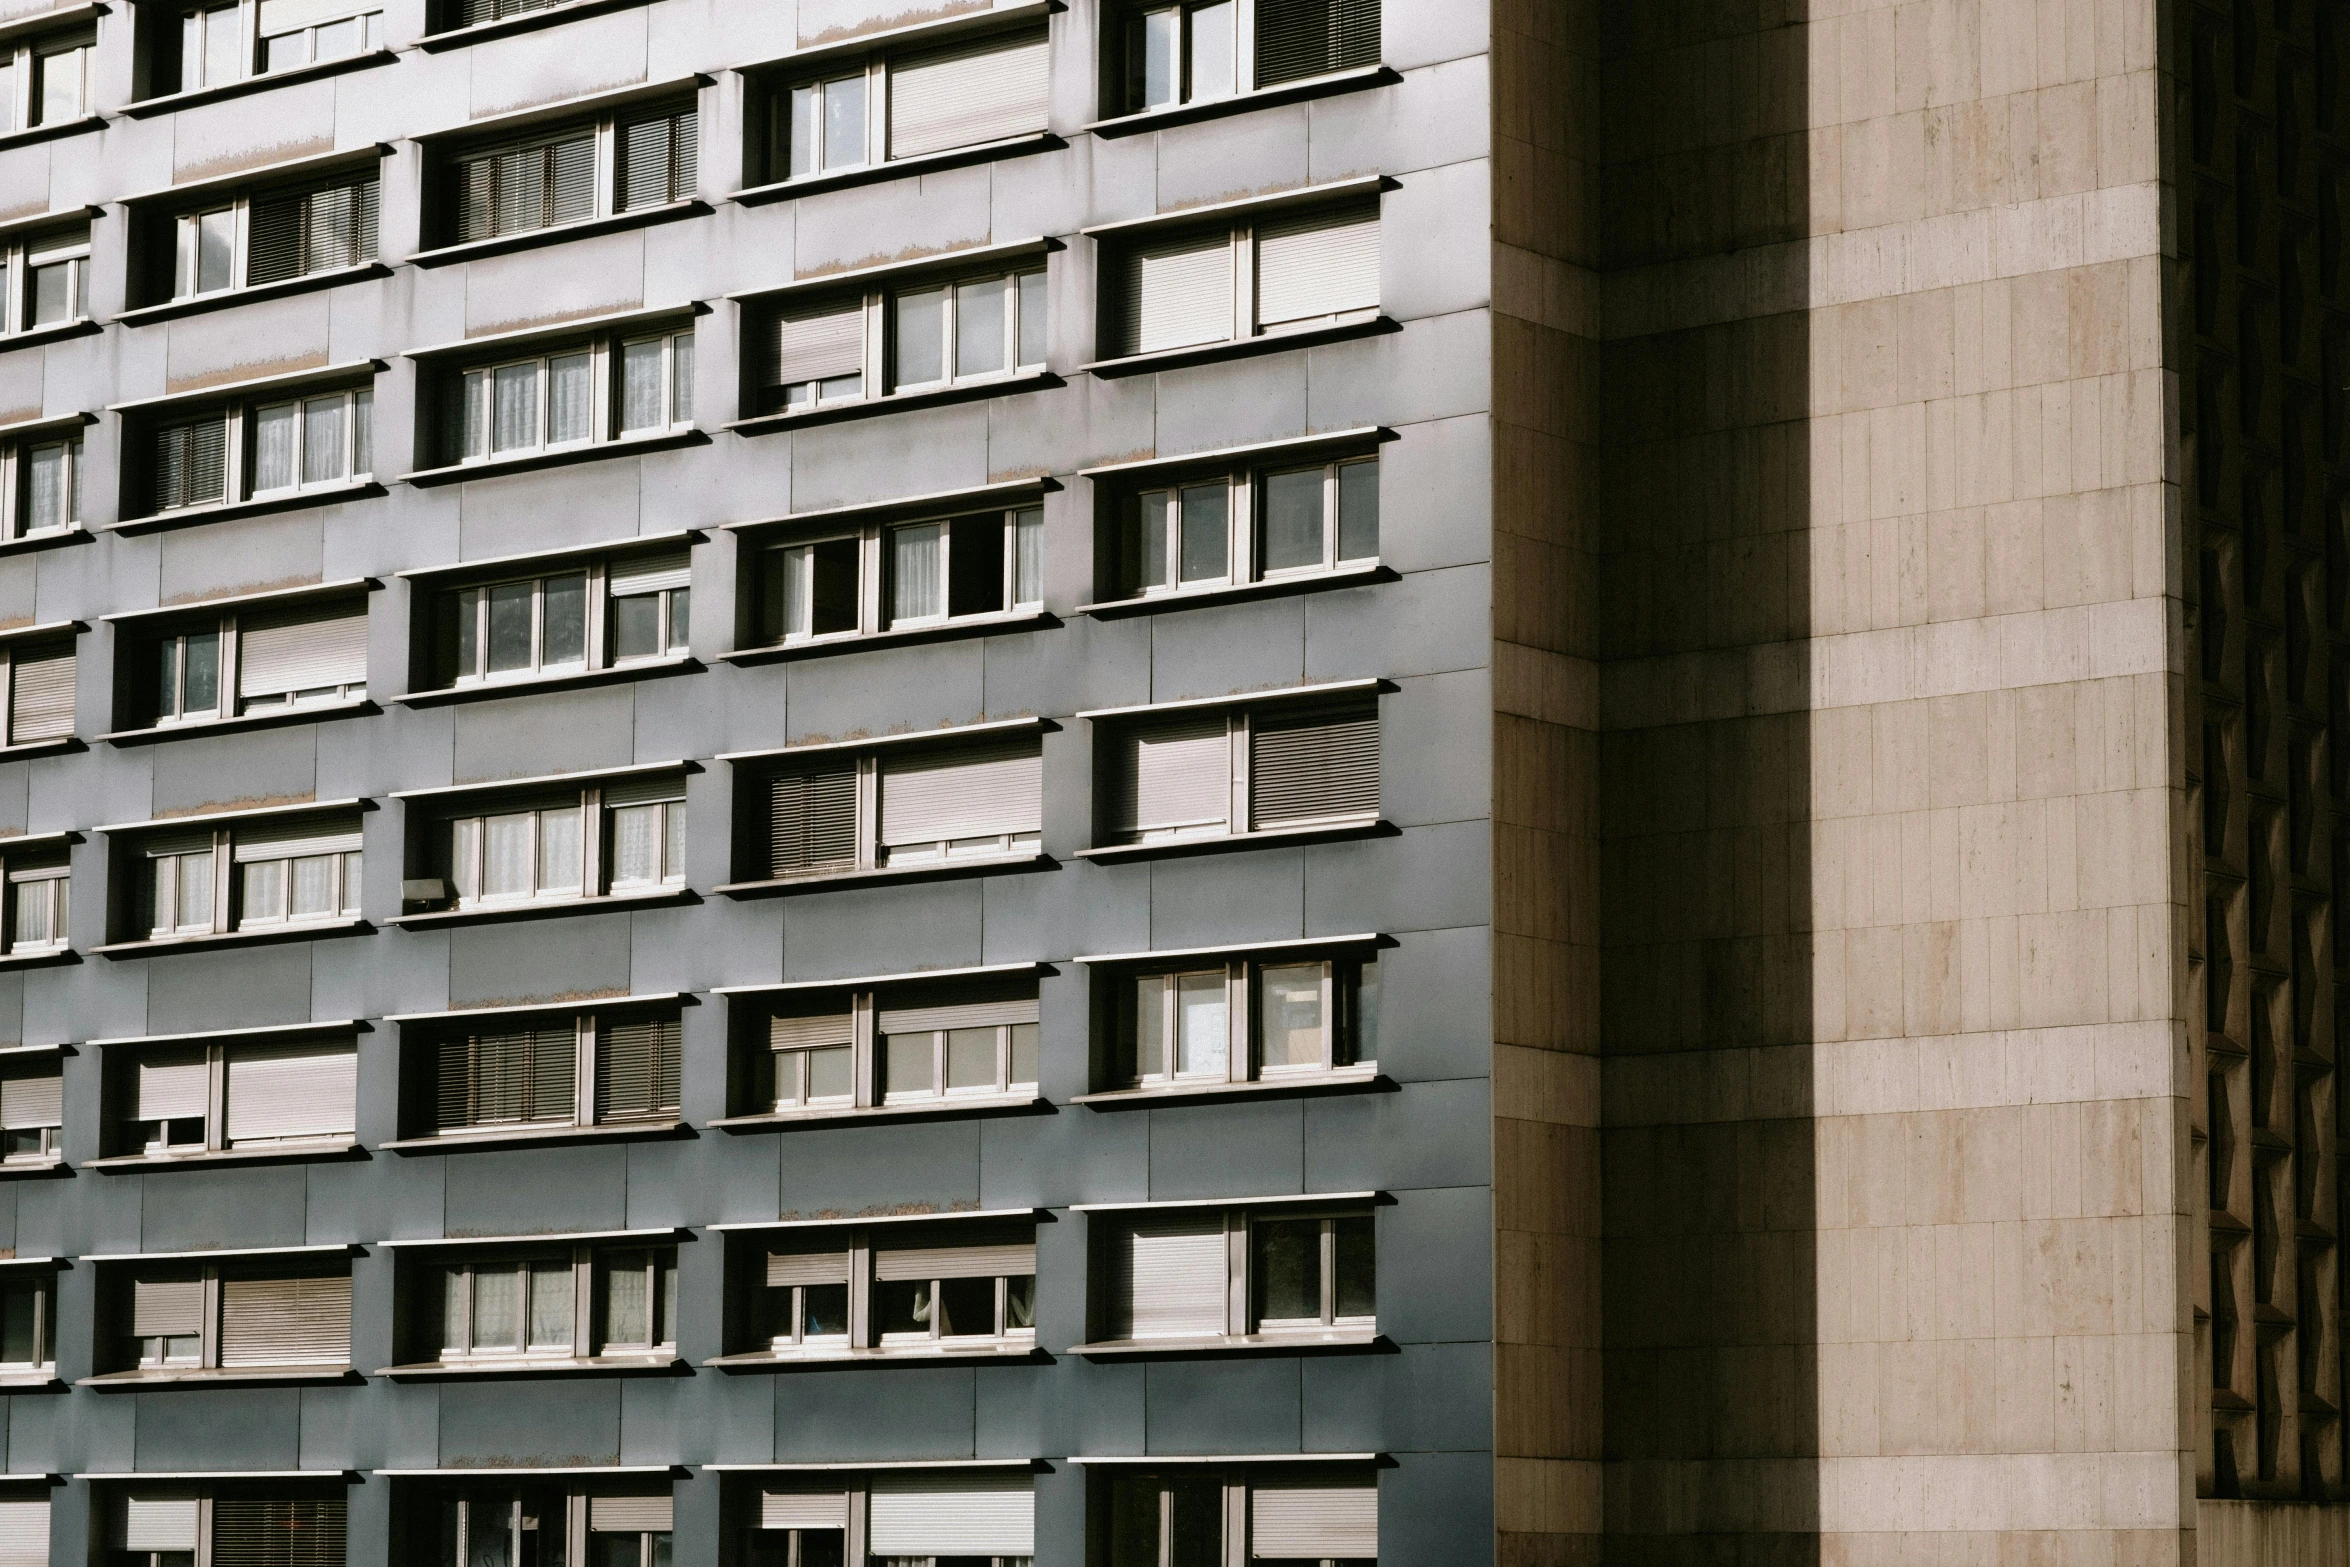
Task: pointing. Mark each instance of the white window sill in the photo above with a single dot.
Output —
(1234, 1343)
(524, 462)
(899, 168)
(56, 331)
(212, 1376)
(220, 511)
(819, 881)
(534, 1366)
(656, 897)
(154, 946)
(1340, 1081)
(1273, 342)
(493, 1137)
(23, 1381)
(823, 1115)
(73, 534)
(527, 21)
(171, 102)
(485, 690)
(318, 1148)
(37, 957)
(557, 233)
(1353, 574)
(35, 1164)
(34, 133)
(222, 299)
(1211, 843)
(32, 748)
(316, 712)
(850, 641)
(1323, 86)
(831, 1357)
(895, 402)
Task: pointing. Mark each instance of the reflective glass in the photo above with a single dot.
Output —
(910, 1064)
(221, 46)
(1150, 540)
(1028, 556)
(1358, 1284)
(264, 892)
(829, 1073)
(634, 860)
(195, 891)
(636, 625)
(52, 294)
(565, 640)
(844, 123)
(1358, 510)
(807, 108)
(273, 448)
(626, 1302)
(1033, 318)
(216, 241)
(1024, 1040)
(510, 617)
(1287, 1269)
(322, 440)
(1162, 56)
(200, 687)
(559, 850)
(920, 320)
(979, 327)
(1213, 50)
(314, 886)
(1207, 531)
(1292, 519)
(1150, 1025)
(46, 485)
(551, 1303)
(1201, 1023)
(971, 1058)
(1289, 1015)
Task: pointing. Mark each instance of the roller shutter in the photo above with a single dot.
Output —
(972, 1006)
(660, 788)
(1169, 1277)
(962, 794)
(154, 1521)
(35, 1099)
(803, 1510)
(285, 1322)
(273, 1532)
(172, 1087)
(167, 1307)
(40, 693)
(636, 1070)
(952, 1515)
(650, 573)
(1318, 264)
(1173, 294)
(1171, 777)
(1305, 769)
(297, 839)
(188, 463)
(1313, 1518)
(24, 1532)
(972, 93)
(308, 1090)
(629, 1514)
(303, 649)
(812, 821)
(474, 12)
(1301, 38)
(816, 345)
(796, 1033)
(657, 160)
(998, 1257)
(787, 1268)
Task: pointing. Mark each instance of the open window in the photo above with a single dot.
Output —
(819, 585)
(1181, 1276)
(1229, 1018)
(207, 44)
(525, 1519)
(926, 1289)
(821, 1051)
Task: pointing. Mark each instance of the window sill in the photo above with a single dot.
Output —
(172, 102)
(1216, 843)
(197, 304)
(832, 1359)
(323, 1148)
(333, 495)
(895, 402)
(482, 691)
(527, 21)
(536, 1136)
(1240, 348)
(1351, 576)
(79, 326)
(47, 1164)
(34, 133)
(31, 1382)
(45, 539)
(942, 870)
(33, 748)
(545, 1366)
(900, 168)
(1352, 1079)
(214, 1376)
(976, 1104)
(662, 897)
(1324, 86)
(45, 958)
(1235, 1344)
(628, 446)
(968, 626)
(557, 233)
(234, 938)
(158, 733)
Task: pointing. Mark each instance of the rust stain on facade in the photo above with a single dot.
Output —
(565, 96)
(249, 802)
(240, 592)
(560, 998)
(252, 158)
(228, 375)
(551, 318)
(906, 18)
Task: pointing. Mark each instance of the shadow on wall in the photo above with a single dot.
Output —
(1711, 1317)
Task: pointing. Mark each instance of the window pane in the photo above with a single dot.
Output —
(790, 587)
(265, 890)
(833, 587)
(636, 625)
(1200, 1011)
(1358, 510)
(681, 378)
(910, 1064)
(517, 408)
(34, 927)
(496, 1307)
(52, 294)
(322, 440)
(195, 900)
(285, 51)
(559, 850)
(1195, 1524)
(1207, 531)
(902, 1305)
(1162, 57)
(1150, 1025)
(971, 1058)
(314, 886)
(273, 448)
(824, 1310)
(640, 386)
(465, 634)
(673, 843)
(829, 1074)
(506, 856)
(979, 327)
(221, 33)
(572, 398)
(1358, 1284)
(566, 630)
(202, 686)
(1024, 1038)
(920, 319)
(336, 39)
(1289, 1015)
(363, 432)
(46, 489)
(915, 582)
(1293, 519)
(966, 1307)
(1364, 1046)
(1286, 1269)
(807, 104)
(551, 1303)
(626, 1301)
(476, 431)
(1150, 539)
(191, 51)
(844, 123)
(453, 1292)
(61, 85)
(1020, 1301)
(1212, 50)
(510, 615)
(1033, 318)
(633, 858)
(1028, 566)
(216, 239)
(680, 628)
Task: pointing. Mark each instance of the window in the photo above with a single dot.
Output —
(570, 173)
(626, 835)
(255, 876)
(231, 1096)
(46, 80)
(565, 621)
(216, 45)
(591, 1069)
(24, 1523)
(472, 13)
(933, 1518)
(917, 337)
(39, 677)
(906, 1046)
(903, 808)
(571, 398)
(1212, 774)
(1295, 1515)
(259, 450)
(41, 485)
(1170, 54)
(543, 1522)
(28, 1338)
(39, 911)
(1280, 273)
(966, 94)
(902, 576)
(563, 1302)
(32, 1122)
(1245, 1020)
(246, 241)
(902, 1288)
(288, 1522)
(1180, 1274)
(188, 1316)
(47, 278)
(276, 659)
(1254, 525)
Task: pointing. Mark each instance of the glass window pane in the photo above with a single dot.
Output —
(506, 856)
(201, 688)
(221, 45)
(476, 430)
(1364, 1046)
(1033, 318)
(517, 421)
(680, 628)
(336, 39)
(559, 850)
(633, 845)
(322, 440)
(916, 584)
(465, 610)
(314, 886)
(216, 240)
(1286, 1269)
(1201, 1001)
(673, 843)
(571, 398)
(61, 85)
(453, 1294)
(681, 378)
(264, 892)
(1150, 1024)
(1292, 519)
(829, 1074)
(510, 617)
(1028, 564)
(1212, 50)
(902, 1305)
(971, 1058)
(46, 488)
(791, 588)
(1162, 58)
(34, 927)
(1358, 510)
(52, 294)
(1289, 1015)
(640, 386)
(273, 448)
(919, 321)
(909, 1064)
(195, 878)
(362, 432)
(979, 327)
(285, 51)
(566, 629)
(496, 1307)
(844, 123)
(807, 104)
(7, 100)
(551, 1304)
(636, 625)
(824, 1310)
(191, 51)
(1207, 531)
(966, 1307)
(1024, 1040)
(627, 1301)
(1357, 1283)
(1150, 539)
(351, 862)
(1020, 1301)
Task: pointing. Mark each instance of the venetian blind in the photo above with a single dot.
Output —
(1310, 768)
(1301, 38)
(988, 1514)
(812, 819)
(1170, 777)
(1316, 264)
(636, 1070)
(278, 1532)
(1172, 294)
(1313, 1518)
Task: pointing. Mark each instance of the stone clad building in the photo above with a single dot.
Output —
(1172, 783)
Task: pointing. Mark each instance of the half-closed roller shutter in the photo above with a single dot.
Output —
(629, 1514)
(1301, 38)
(636, 1070)
(809, 1509)
(650, 573)
(1313, 1519)
(991, 1514)
(307, 1090)
(800, 1033)
(991, 1256)
(1173, 294)
(40, 693)
(308, 648)
(972, 93)
(167, 1306)
(171, 1086)
(657, 160)
(812, 821)
(1172, 777)
(32, 1099)
(158, 1521)
(188, 462)
(654, 789)
(1169, 1277)
(964, 1006)
(787, 1268)
(974, 793)
(273, 1532)
(816, 345)
(286, 1322)
(297, 839)
(1317, 264)
(1305, 769)
(24, 1531)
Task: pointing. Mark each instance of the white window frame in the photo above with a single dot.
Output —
(343, 884)
(187, 230)
(1240, 1261)
(1327, 1319)
(587, 1268)
(1243, 981)
(162, 872)
(1023, 528)
(1236, 1485)
(606, 398)
(571, 1521)
(238, 420)
(356, 415)
(1247, 491)
(872, 854)
(677, 385)
(22, 257)
(859, 1246)
(154, 1137)
(208, 1341)
(660, 1303)
(53, 875)
(476, 597)
(1133, 21)
(868, 1088)
(16, 483)
(251, 47)
(228, 659)
(874, 74)
(475, 827)
(597, 855)
(939, 1092)
(667, 837)
(25, 66)
(880, 314)
(1012, 282)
